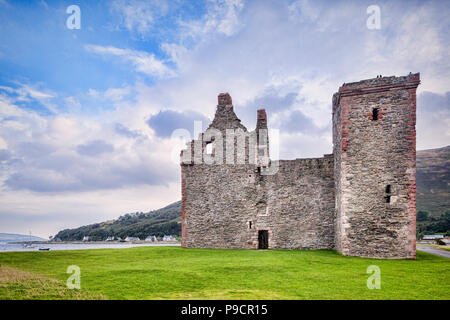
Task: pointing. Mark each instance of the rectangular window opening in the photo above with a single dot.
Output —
(209, 148)
(388, 188)
(261, 151)
(375, 114)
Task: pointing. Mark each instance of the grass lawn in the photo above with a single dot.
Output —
(17, 284)
(178, 273)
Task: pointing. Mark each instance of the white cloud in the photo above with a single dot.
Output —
(433, 120)
(143, 62)
(139, 16)
(117, 93)
(73, 104)
(50, 161)
(27, 92)
(3, 144)
(222, 17)
(93, 93)
(309, 50)
(303, 10)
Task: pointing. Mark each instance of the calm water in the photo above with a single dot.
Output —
(4, 246)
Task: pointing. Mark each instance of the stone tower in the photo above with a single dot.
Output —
(374, 147)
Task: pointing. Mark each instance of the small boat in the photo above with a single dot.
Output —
(28, 245)
(44, 249)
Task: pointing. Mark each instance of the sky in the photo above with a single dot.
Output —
(87, 114)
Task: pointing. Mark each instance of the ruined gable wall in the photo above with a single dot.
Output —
(218, 200)
(226, 205)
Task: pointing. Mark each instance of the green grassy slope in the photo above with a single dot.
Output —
(178, 273)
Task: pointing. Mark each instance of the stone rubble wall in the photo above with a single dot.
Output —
(372, 219)
(296, 205)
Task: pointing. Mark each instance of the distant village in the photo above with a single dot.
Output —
(151, 238)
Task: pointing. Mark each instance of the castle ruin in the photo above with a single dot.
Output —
(360, 200)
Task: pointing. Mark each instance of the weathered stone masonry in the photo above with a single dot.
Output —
(360, 200)
(375, 167)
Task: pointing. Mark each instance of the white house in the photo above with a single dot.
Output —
(151, 239)
(169, 238)
(129, 239)
(86, 238)
(432, 236)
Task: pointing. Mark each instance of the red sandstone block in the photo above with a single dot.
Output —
(262, 114)
(224, 99)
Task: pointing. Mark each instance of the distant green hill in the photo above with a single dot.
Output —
(433, 201)
(433, 180)
(14, 237)
(164, 221)
(433, 191)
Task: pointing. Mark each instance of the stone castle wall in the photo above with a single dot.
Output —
(360, 200)
(300, 204)
(229, 204)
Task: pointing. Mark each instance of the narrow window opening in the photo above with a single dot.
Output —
(249, 224)
(375, 114)
(260, 176)
(209, 148)
(261, 151)
(388, 193)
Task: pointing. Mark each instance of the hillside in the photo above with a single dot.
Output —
(433, 191)
(14, 237)
(164, 221)
(433, 181)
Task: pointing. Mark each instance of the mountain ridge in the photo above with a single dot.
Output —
(17, 237)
